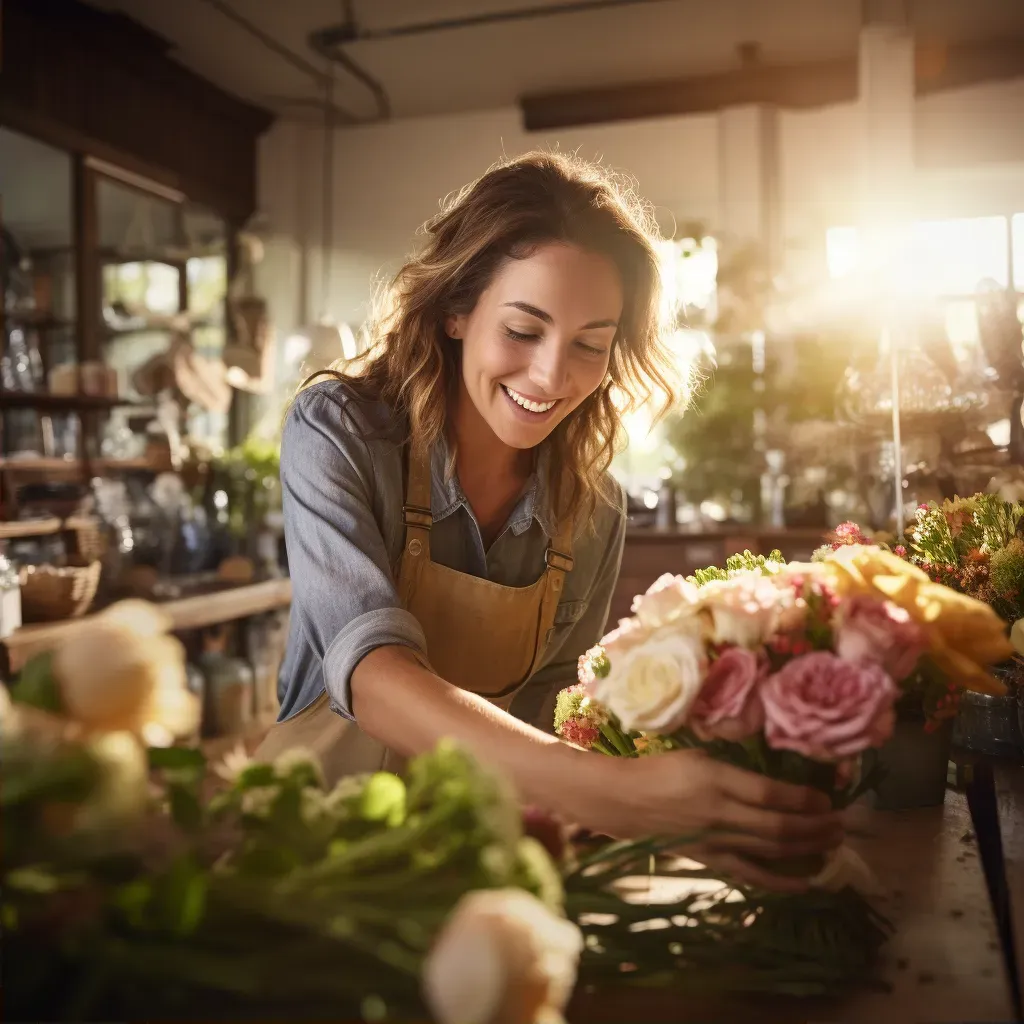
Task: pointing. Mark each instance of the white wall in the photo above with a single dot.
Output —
(390, 178)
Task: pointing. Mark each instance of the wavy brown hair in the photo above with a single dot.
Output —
(517, 206)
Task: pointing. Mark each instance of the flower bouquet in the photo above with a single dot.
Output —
(788, 670)
(792, 670)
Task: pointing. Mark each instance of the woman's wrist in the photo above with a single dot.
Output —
(577, 785)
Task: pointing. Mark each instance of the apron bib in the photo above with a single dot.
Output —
(481, 636)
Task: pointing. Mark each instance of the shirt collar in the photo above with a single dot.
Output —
(446, 493)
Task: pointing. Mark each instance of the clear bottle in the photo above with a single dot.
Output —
(10, 596)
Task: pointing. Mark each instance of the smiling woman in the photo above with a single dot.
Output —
(453, 533)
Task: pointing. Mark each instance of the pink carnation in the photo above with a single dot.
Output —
(579, 731)
(881, 632)
(728, 706)
(826, 708)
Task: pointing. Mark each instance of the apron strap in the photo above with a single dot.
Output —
(559, 561)
(417, 517)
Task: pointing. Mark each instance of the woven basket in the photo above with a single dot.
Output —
(89, 540)
(49, 593)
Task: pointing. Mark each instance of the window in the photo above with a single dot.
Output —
(949, 257)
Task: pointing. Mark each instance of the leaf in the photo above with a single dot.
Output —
(177, 759)
(254, 775)
(186, 809)
(68, 777)
(183, 896)
(37, 685)
(31, 879)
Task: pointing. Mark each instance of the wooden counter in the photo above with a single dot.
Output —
(944, 962)
(185, 613)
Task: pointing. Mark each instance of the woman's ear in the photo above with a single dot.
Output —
(454, 324)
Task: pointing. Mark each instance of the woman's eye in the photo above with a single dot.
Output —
(592, 349)
(519, 335)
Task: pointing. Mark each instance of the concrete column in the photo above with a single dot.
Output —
(748, 176)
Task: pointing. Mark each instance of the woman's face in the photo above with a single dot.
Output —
(538, 341)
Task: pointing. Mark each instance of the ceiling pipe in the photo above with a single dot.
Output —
(357, 35)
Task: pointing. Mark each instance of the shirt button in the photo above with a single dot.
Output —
(556, 583)
(415, 546)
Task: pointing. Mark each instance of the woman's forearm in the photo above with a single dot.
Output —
(405, 706)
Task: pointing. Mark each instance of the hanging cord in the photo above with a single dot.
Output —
(327, 202)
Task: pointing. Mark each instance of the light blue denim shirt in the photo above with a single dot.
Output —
(342, 480)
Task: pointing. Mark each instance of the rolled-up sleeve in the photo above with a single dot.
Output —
(344, 595)
(536, 702)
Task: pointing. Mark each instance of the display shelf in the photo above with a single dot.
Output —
(36, 318)
(60, 403)
(57, 466)
(185, 613)
(18, 528)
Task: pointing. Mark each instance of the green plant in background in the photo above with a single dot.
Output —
(972, 545)
(250, 474)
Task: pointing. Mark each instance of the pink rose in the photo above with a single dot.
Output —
(729, 706)
(826, 708)
(879, 632)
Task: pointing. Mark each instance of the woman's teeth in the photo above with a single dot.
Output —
(526, 403)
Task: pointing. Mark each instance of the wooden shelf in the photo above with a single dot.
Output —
(17, 528)
(58, 467)
(35, 318)
(59, 403)
(186, 613)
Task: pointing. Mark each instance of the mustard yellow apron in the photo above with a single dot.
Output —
(481, 636)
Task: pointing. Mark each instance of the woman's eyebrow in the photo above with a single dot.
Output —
(549, 319)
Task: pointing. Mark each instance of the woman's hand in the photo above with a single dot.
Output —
(751, 818)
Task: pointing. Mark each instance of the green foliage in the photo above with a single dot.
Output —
(37, 685)
(946, 534)
(274, 893)
(1006, 576)
(972, 545)
(767, 565)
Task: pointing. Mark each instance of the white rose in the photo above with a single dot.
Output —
(111, 678)
(667, 599)
(502, 957)
(746, 609)
(652, 686)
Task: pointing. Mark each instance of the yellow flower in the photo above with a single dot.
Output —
(964, 635)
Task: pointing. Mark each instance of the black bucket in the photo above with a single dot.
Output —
(989, 725)
(914, 762)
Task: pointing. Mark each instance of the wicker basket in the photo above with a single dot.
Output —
(89, 540)
(49, 593)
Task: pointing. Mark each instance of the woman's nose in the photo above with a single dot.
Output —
(548, 369)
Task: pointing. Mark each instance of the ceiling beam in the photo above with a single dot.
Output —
(796, 86)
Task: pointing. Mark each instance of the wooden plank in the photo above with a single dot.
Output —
(943, 964)
(186, 613)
